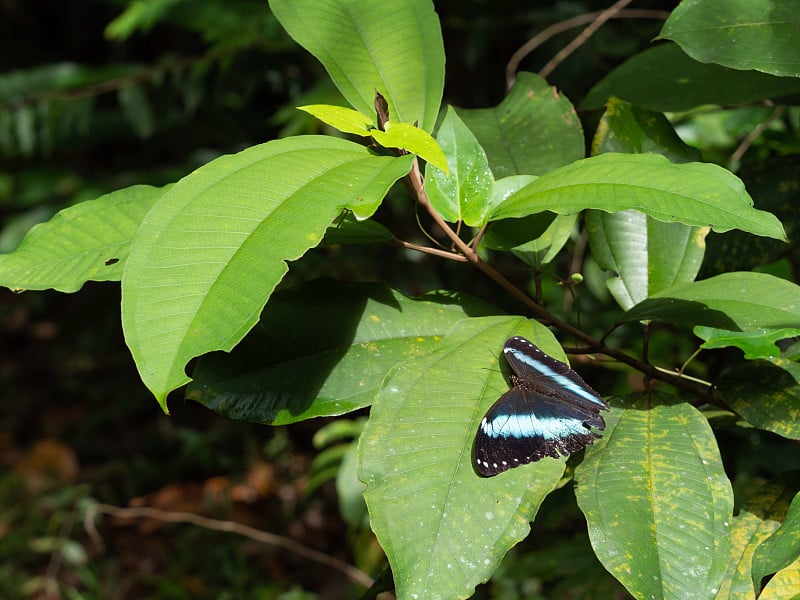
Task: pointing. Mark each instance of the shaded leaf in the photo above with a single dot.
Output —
(349, 230)
(740, 34)
(532, 131)
(756, 343)
(645, 255)
(734, 301)
(393, 47)
(782, 548)
(323, 349)
(86, 242)
(657, 501)
(693, 193)
(444, 528)
(773, 185)
(137, 110)
(634, 130)
(665, 79)
(766, 395)
(755, 523)
(210, 252)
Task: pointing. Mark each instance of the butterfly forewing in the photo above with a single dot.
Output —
(548, 412)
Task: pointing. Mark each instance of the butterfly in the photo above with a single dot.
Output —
(548, 411)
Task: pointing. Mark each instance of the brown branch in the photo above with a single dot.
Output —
(577, 21)
(263, 537)
(428, 250)
(416, 184)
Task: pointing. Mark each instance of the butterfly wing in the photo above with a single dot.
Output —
(524, 426)
(551, 377)
(548, 412)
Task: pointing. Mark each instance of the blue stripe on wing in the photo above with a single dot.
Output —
(549, 411)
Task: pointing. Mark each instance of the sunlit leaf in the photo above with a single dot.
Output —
(694, 193)
(394, 48)
(657, 500)
(210, 252)
(86, 242)
(444, 528)
(740, 34)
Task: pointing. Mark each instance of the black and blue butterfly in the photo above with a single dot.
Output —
(549, 411)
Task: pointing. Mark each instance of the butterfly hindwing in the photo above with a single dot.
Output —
(548, 412)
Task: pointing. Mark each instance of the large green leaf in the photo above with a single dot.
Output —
(694, 193)
(442, 526)
(367, 45)
(86, 242)
(755, 343)
(754, 524)
(532, 131)
(735, 301)
(782, 548)
(323, 349)
(740, 34)
(462, 194)
(210, 252)
(766, 395)
(644, 254)
(784, 584)
(665, 79)
(634, 130)
(657, 501)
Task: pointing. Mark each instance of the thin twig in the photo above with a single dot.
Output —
(753, 136)
(577, 21)
(416, 183)
(428, 250)
(583, 36)
(263, 537)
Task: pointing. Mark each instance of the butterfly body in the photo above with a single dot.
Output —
(549, 411)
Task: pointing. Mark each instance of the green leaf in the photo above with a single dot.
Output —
(444, 528)
(462, 194)
(413, 139)
(532, 131)
(137, 110)
(346, 229)
(633, 130)
(785, 584)
(740, 34)
(323, 349)
(657, 501)
(757, 343)
(694, 193)
(86, 242)
(210, 252)
(341, 118)
(733, 301)
(394, 48)
(546, 247)
(664, 79)
(782, 548)
(535, 240)
(766, 395)
(756, 522)
(645, 255)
